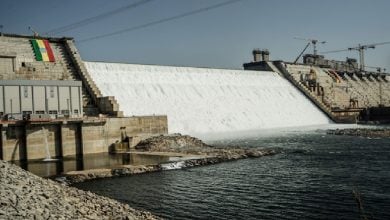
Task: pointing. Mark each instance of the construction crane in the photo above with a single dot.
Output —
(360, 48)
(310, 41)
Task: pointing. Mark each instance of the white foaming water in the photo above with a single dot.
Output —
(173, 166)
(203, 101)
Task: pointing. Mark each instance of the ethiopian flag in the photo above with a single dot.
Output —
(42, 50)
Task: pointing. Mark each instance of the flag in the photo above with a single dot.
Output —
(42, 50)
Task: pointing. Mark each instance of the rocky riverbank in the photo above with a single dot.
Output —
(192, 151)
(362, 132)
(186, 144)
(26, 196)
(124, 170)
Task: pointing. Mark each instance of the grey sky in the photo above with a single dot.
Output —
(222, 37)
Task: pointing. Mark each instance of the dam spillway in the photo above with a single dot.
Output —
(204, 100)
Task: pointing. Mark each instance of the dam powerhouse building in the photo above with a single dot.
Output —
(53, 104)
(50, 106)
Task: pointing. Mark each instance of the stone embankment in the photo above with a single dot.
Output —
(26, 196)
(124, 170)
(362, 132)
(193, 151)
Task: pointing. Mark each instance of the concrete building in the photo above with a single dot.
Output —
(40, 98)
(50, 103)
(21, 60)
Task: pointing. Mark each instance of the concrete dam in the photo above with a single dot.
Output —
(94, 107)
(203, 100)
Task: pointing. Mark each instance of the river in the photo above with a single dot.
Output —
(312, 178)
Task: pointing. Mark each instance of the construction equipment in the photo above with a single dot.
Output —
(310, 41)
(361, 48)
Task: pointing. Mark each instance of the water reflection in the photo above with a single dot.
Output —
(90, 161)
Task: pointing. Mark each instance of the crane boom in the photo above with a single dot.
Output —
(360, 48)
(313, 42)
(299, 56)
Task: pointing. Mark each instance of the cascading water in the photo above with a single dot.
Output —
(48, 157)
(203, 100)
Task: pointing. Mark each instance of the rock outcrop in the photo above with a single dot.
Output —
(178, 143)
(170, 143)
(189, 145)
(26, 196)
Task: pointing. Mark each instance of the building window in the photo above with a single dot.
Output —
(76, 111)
(27, 112)
(39, 112)
(65, 112)
(25, 91)
(53, 112)
(52, 91)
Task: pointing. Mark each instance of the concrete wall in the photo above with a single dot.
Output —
(41, 97)
(64, 138)
(17, 60)
(69, 138)
(97, 138)
(36, 138)
(13, 142)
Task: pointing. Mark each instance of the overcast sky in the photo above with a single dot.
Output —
(223, 37)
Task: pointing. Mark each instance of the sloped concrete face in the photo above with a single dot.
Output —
(204, 100)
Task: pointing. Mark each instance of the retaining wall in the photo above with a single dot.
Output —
(27, 140)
